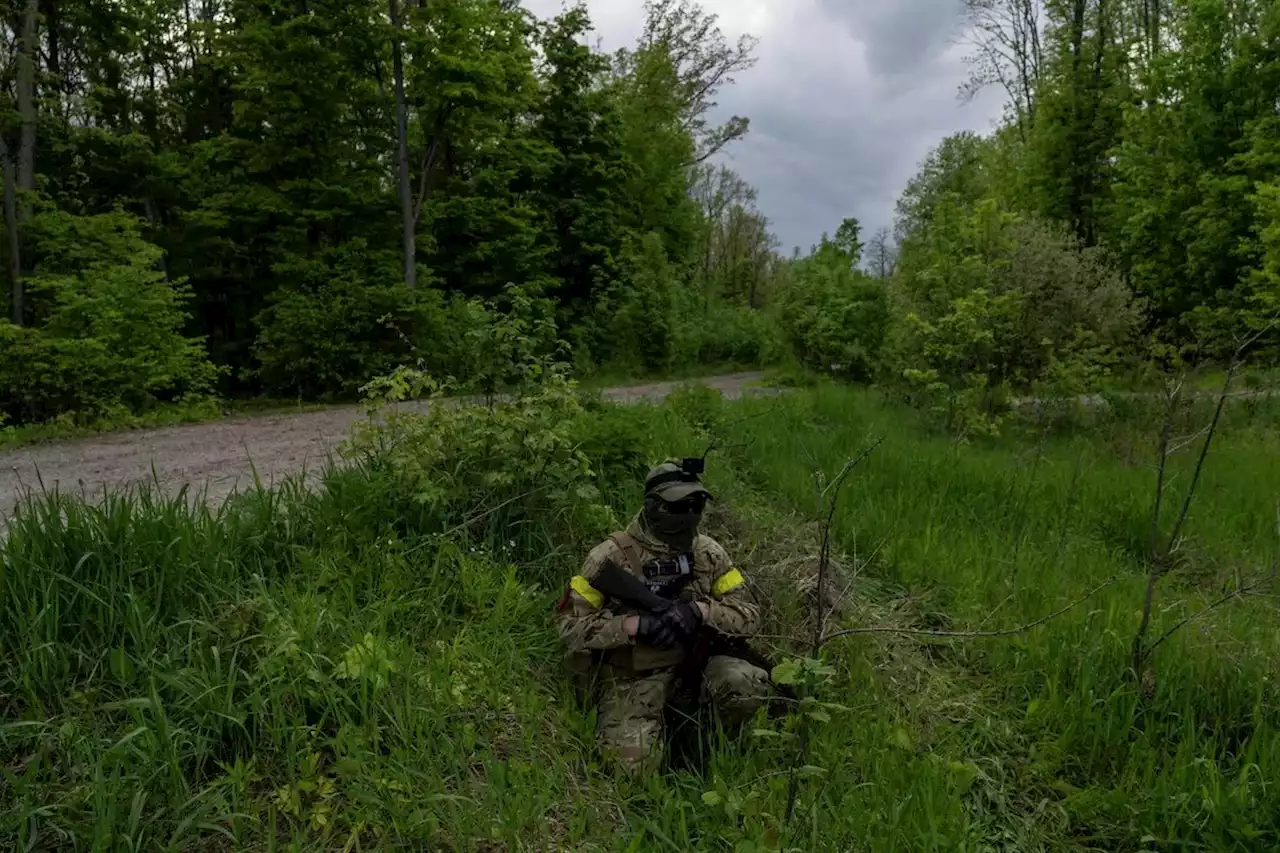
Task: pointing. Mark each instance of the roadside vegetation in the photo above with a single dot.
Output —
(371, 664)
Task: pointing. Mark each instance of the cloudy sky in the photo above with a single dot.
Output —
(847, 97)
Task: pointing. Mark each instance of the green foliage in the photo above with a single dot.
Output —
(994, 303)
(263, 155)
(329, 341)
(322, 668)
(111, 335)
(637, 320)
(734, 335)
(833, 316)
(960, 357)
(514, 471)
(647, 323)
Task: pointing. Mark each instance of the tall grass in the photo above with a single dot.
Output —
(996, 536)
(351, 668)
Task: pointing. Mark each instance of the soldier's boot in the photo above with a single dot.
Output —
(629, 724)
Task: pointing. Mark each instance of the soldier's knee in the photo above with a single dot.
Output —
(735, 686)
(633, 744)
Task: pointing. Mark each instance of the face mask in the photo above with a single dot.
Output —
(669, 525)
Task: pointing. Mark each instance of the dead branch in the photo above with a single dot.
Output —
(1160, 555)
(1172, 395)
(819, 621)
(824, 558)
(1214, 605)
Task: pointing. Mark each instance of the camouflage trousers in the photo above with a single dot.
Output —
(630, 720)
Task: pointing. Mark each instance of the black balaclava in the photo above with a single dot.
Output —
(674, 529)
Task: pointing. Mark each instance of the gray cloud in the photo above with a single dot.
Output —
(902, 36)
(846, 99)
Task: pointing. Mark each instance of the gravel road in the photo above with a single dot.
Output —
(219, 457)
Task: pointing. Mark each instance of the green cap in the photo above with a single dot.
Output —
(672, 483)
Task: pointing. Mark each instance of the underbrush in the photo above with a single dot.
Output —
(1064, 749)
(371, 665)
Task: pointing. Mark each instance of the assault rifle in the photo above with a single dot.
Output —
(622, 586)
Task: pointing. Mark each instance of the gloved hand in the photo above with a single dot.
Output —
(657, 630)
(686, 619)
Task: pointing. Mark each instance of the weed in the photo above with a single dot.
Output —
(356, 667)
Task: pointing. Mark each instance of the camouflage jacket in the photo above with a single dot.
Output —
(590, 622)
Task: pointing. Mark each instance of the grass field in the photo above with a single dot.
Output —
(374, 667)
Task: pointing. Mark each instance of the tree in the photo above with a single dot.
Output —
(1083, 95)
(847, 240)
(330, 178)
(1005, 36)
(954, 170)
(19, 177)
(882, 255)
(704, 62)
(1185, 171)
(408, 222)
(583, 190)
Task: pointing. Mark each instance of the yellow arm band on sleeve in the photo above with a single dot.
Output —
(728, 582)
(584, 588)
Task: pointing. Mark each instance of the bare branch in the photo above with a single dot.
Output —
(974, 635)
(824, 560)
(1229, 597)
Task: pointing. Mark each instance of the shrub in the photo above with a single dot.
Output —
(992, 303)
(634, 322)
(108, 326)
(833, 316)
(730, 334)
(326, 342)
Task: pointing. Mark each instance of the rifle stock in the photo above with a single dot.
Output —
(623, 586)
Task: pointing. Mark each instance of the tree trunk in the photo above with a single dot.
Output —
(1075, 200)
(11, 229)
(22, 176)
(53, 26)
(1155, 28)
(150, 210)
(26, 54)
(402, 138)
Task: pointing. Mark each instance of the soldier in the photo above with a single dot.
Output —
(635, 658)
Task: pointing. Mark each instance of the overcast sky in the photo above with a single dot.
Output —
(847, 97)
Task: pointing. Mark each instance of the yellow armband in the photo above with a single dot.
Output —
(728, 582)
(583, 587)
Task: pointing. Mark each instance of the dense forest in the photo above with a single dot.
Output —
(289, 197)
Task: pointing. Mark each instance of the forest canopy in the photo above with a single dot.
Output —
(290, 197)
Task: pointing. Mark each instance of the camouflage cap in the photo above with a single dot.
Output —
(672, 483)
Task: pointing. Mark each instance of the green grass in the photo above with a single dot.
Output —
(330, 671)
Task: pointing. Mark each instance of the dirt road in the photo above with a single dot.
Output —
(219, 457)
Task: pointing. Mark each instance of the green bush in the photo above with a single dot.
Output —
(324, 343)
(107, 336)
(650, 321)
(989, 303)
(833, 316)
(730, 334)
(633, 324)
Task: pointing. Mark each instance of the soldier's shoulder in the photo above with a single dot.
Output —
(706, 546)
(606, 550)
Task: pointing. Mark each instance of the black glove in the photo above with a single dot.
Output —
(657, 630)
(685, 618)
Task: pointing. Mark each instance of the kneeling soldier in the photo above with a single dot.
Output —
(644, 596)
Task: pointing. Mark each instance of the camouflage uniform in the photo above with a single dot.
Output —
(638, 680)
